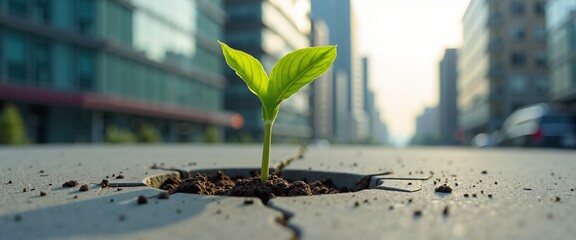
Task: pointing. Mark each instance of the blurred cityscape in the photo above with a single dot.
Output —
(93, 71)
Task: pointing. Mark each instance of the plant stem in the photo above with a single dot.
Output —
(266, 150)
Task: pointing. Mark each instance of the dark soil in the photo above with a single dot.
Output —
(221, 184)
(443, 189)
(71, 183)
(84, 188)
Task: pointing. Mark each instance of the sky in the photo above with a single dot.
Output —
(404, 41)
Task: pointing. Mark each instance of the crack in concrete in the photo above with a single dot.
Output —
(284, 221)
(283, 164)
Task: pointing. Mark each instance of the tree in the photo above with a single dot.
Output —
(148, 134)
(12, 130)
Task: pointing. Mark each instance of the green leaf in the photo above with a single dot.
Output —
(296, 70)
(248, 69)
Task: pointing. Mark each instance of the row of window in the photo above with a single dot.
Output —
(77, 15)
(519, 59)
(38, 61)
(520, 7)
(519, 33)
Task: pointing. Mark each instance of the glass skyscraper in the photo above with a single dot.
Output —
(76, 67)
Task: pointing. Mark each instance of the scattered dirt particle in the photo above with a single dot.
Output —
(42, 193)
(456, 184)
(527, 189)
(484, 172)
(10, 182)
(71, 183)
(164, 195)
(410, 200)
(466, 195)
(120, 176)
(178, 211)
(355, 164)
(474, 195)
(356, 204)
(417, 213)
(84, 188)
(49, 184)
(18, 218)
(218, 211)
(365, 200)
(572, 190)
(557, 199)
(75, 197)
(41, 171)
(391, 208)
(445, 211)
(495, 183)
(111, 199)
(113, 175)
(409, 183)
(119, 189)
(489, 195)
(482, 192)
(24, 190)
(443, 189)
(142, 200)
(32, 189)
(104, 183)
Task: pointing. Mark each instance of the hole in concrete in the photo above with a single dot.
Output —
(214, 182)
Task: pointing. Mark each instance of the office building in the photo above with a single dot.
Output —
(349, 116)
(268, 30)
(560, 25)
(76, 67)
(502, 62)
(321, 94)
(426, 131)
(448, 103)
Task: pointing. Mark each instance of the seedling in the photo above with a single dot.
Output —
(292, 72)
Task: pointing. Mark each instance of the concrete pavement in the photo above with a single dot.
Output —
(501, 194)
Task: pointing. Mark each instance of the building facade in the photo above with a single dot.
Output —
(448, 103)
(349, 117)
(77, 67)
(321, 93)
(376, 131)
(502, 62)
(268, 30)
(560, 26)
(426, 130)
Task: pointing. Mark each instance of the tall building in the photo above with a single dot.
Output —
(268, 30)
(376, 131)
(77, 67)
(427, 127)
(448, 105)
(560, 25)
(321, 93)
(349, 115)
(502, 62)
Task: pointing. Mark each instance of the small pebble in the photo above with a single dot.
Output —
(84, 188)
(248, 201)
(557, 199)
(42, 193)
(142, 200)
(10, 182)
(120, 176)
(484, 172)
(466, 195)
(417, 213)
(445, 211)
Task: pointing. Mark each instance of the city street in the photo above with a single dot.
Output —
(496, 194)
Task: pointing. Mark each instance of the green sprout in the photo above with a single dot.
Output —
(292, 72)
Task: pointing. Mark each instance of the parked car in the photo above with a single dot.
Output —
(539, 126)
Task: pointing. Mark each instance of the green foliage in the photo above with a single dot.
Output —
(245, 137)
(211, 135)
(148, 134)
(12, 130)
(115, 135)
(294, 71)
(290, 74)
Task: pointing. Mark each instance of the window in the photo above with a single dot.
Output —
(41, 10)
(85, 69)
(517, 8)
(539, 34)
(18, 7)
(518, 59)
(41, 60)
(540, 58)
(85, 16)
(539, 8)
(517, 33)
(15, 56)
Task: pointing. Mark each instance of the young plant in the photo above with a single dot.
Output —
(292, 72)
